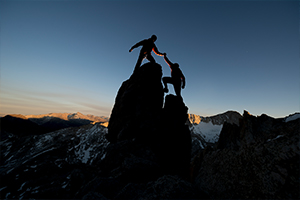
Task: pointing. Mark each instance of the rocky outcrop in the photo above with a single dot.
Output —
(194, 119)
(141, 114)
(149, 151)
(138, 105)
(258, 159)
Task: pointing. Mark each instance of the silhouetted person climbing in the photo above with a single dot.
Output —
(148, 46)
(176, 77)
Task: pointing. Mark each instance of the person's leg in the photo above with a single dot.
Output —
(139, 61)
(166, 80)
(177, 87)
(150, 58)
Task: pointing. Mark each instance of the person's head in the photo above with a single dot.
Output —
(176, 65)
(154, 38)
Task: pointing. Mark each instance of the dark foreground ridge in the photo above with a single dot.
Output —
(146, 154)
(259, 159)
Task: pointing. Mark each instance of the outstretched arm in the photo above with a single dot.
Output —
(136, 45)
(167, 60)
(155, 50)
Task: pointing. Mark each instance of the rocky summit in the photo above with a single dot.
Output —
(138, 104)
(142, 116)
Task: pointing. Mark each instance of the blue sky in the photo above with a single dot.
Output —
(72, 56)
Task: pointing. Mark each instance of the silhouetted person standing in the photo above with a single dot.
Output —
(176, 77)
(148, 46)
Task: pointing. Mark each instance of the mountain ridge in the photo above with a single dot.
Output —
(68, 116)
(194, 119)
(22, 125)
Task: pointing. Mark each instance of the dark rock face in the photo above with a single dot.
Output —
(149, 152)
(258, 159)
(174, 140)
(140, 113)
(138, 104)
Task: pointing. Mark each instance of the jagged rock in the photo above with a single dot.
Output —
(140, 113)
(174, 144)
(138, 103)
(196, 145)
(194, 119)
(259, 159)
(229, 137)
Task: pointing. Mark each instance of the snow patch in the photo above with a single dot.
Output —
(65, 185)
(21, 186)
(279, 136)
(103, 156)
(292, 117)
(38, 154)
(90, 141)
(208, 131)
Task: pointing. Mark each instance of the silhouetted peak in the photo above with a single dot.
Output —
(139, 101)
(140, 114)
(77, 115)
(252, 129)
(15, 116)
(19, 125)
(147, 72)
(246, 113)
(175, 109)
(292, 117)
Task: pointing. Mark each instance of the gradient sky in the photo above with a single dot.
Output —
(72, 56)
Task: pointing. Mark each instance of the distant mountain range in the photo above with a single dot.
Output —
(208, 129)
(204, 130)
(41, 119)
(72, 155)
(39, 124)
